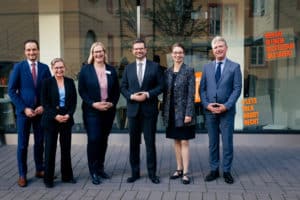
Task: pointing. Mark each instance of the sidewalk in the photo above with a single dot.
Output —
(260, 172)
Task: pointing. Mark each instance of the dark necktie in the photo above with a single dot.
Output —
(33, 71)
(218, 72)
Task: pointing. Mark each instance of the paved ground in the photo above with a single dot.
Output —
(261, 173)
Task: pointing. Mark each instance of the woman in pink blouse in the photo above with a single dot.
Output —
(99, 89)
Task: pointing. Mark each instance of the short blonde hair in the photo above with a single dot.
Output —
(91, 58)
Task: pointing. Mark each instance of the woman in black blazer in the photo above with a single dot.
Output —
(58, 98)
(179, 110)
(98, 87)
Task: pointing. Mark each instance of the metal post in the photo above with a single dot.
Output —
(138, 18)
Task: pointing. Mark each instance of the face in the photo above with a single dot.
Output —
(99, 54)
(139, 51)
(58, 69)
(177, 54)
(219, 50)
(31, 51)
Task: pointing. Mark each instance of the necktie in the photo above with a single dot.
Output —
(218, 72)
(33, 71)
(140, 73)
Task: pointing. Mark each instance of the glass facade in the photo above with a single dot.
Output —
(262, 35)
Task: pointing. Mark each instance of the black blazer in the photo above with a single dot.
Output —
(152, 83)
(89, 88)
(50, 101)
(184, 95)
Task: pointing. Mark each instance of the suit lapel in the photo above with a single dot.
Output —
(56, 90)
(27, 71)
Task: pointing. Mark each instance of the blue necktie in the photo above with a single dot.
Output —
(218, 72)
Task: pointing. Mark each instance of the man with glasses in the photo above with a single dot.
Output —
(141, 84)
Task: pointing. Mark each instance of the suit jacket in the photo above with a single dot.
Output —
(228, 88)
(152, 83)
(89, 88)
(50, 101)
(184, 95)
(21, 88)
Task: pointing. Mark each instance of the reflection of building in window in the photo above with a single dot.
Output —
(257, 55)
(214, 19)
(109, 6)
(229, 17)
(90, 38)
(258, 7)
(110, 50)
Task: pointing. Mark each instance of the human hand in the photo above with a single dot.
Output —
(29, 112)
(139, 96)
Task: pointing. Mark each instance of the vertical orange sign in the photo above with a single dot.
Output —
(198, 76)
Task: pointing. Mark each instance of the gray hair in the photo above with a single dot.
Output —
(55, 60)
(218, 39)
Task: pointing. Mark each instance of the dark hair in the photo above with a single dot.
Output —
(156, 58)
(32, 41)
(177, 44)
(139, 40)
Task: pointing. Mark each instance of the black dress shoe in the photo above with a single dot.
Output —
(49, 184)
(228, 178)
(213, 175)
(132, 179)
(95, 179)
(72, 180)
(155, 179)
(104, 175)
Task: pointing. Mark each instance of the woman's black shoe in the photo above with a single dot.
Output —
(177, 174)
(186, 179)
(95, 179)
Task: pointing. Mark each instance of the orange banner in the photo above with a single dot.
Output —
(198, 76)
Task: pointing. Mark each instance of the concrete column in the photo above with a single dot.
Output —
(50, 30)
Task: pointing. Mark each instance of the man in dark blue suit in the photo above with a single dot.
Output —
(220, 88)
(24, 89)
(141, 84)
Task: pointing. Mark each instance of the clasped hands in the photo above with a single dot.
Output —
(102, 105)
(139, 96)
(29, 112)
(62, 118)
(216, 108)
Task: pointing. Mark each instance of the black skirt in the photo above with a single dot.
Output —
(179, 133)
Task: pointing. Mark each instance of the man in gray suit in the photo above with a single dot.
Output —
(220, 87)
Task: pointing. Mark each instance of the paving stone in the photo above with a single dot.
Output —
(261, 173)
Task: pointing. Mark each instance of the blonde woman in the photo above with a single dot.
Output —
(99, 89)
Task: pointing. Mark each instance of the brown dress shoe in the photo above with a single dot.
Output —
(22, 182)
(39, 174)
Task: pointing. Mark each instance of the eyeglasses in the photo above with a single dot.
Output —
(178, 52)
(138, 49)
(99, 51)
(58, 68)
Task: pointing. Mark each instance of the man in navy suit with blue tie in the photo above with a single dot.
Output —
(220, 88)
(24, 89)
(141, 84)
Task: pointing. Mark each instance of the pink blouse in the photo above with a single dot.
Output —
(102, 79)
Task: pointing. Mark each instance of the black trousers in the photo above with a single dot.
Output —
(51, 136)
(138, 125)
(98, 127)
